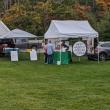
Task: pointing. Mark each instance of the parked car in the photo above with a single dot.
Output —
(103, 49)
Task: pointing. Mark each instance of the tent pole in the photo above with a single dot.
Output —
(60, 51)
(98, 50)
(79, 59)
(79, 56)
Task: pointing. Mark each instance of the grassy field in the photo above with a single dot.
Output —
(29, 85)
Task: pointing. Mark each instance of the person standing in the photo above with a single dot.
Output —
(64, 45)
(45, 52)
(50, 50)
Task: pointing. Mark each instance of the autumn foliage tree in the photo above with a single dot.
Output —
(102, 7)
(35, 15)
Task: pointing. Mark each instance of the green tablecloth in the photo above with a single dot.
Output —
(65, 57)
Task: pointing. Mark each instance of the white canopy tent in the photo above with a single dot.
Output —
(70, 29)
(17, 33)
(61, 29)
(3, 29)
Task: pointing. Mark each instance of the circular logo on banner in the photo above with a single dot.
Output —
(79, 49)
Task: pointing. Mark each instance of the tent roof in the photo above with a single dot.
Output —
(17, 33)
(3, 29)
(70, 29)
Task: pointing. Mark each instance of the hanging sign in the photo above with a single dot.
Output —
(79, 48)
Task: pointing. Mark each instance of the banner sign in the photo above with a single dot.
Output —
(14, 55)
(33, 55)
(79, 48)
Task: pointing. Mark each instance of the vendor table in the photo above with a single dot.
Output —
(23, 55)
(66, 57)
(7, 51)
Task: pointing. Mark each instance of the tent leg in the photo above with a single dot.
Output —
(79, 59)
(98, 51)
(79, 56)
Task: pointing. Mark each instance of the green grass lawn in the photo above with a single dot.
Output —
(26, 85)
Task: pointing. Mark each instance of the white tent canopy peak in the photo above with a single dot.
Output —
(17, 33)
(3, 29)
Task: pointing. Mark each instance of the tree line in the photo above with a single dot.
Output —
(35, 15)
